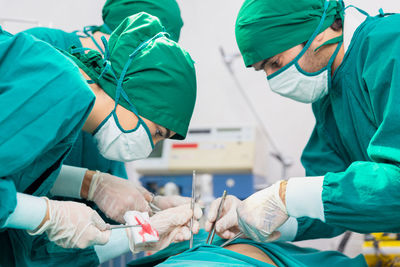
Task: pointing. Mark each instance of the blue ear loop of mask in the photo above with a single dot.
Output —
(359, 10)
(88, 31)
(81, 50)
(310, 40)
(108, 29)
(119, 90)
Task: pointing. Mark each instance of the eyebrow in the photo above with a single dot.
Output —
(167, 133)
(263, 63)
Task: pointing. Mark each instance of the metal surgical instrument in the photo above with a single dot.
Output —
(111, 227)
(192, 207)
(154, 208)
(212, 232)
(227, 242)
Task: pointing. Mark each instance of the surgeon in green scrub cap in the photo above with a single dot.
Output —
(315, 51)
(145, 90)
(85, 157)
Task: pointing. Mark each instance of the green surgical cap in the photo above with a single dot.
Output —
(160, 81)
(115, 11)
(265, 28)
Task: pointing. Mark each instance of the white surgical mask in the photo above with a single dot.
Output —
(115, 143)
(297, 85)
(307, 87)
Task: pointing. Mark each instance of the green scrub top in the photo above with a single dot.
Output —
(283, 254)
(84, 152)
(40, 121)
(356, 140)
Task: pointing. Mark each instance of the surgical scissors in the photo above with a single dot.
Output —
(211, 235)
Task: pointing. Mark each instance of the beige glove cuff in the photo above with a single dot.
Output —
(93, 185)
(46, 224)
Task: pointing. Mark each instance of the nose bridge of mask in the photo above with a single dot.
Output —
(310, 40)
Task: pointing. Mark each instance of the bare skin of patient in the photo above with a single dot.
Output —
(250, 251)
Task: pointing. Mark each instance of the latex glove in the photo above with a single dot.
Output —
(172, 225)
(115, 196)
(262, 213)
(73, 225)
(166, 202)
(227, 225)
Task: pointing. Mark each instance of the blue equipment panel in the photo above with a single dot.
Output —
(239, 185)
(184, 182)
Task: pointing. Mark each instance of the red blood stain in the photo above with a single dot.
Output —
(146, 229)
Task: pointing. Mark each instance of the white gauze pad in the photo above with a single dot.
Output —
(144, 234)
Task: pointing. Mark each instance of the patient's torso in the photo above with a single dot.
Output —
(251, 251)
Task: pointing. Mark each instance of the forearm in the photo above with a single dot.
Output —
(303, 197)
(361, 199)
(117, 246)
(304, 228)
(308, 228)
(288, 230)
(364, 198)
(29, 214)
(72, 182)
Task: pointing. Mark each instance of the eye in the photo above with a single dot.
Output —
(158, 133)
(275, 64)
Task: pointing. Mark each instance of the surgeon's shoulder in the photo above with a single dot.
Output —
(44, 54)
(49, 35)
(382, 33)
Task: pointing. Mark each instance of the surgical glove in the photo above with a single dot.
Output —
(166, 202)
(115, 196)
(227, 225)
(172, 225)
(262, 213)
(73, 225)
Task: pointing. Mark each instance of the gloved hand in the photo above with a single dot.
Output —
(115, 196)
(262, 213)
(166, 202)
(227, 225)
(172, 225)
(73, 225)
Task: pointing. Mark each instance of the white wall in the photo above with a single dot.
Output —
(68, 15)
(208, 25)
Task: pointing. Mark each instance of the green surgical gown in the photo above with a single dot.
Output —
(84, 152)
(356, 140)
(40, 121)
(283, 254)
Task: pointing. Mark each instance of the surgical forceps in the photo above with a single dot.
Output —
(227, 242)
(211, 235)
(111, 227)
